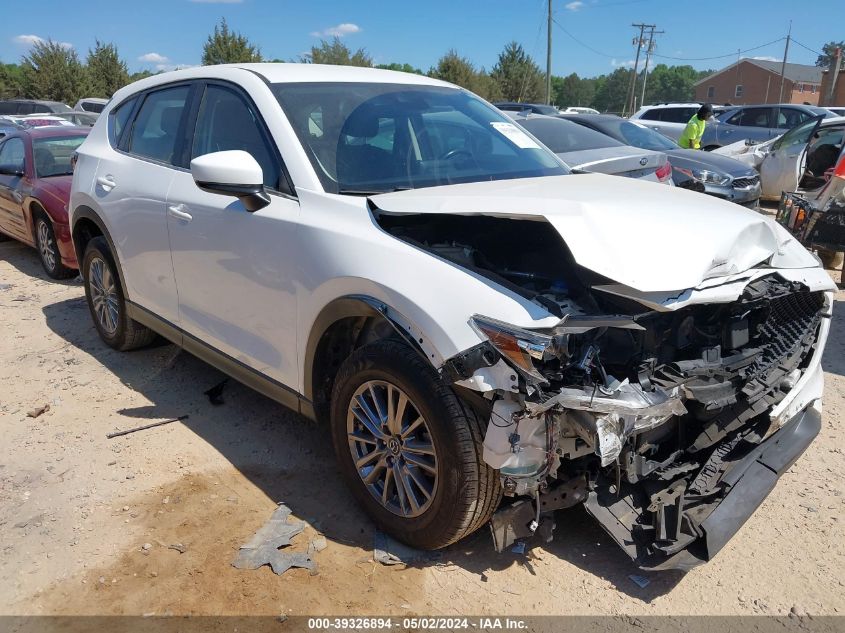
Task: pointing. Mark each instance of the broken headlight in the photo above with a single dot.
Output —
(520, 347)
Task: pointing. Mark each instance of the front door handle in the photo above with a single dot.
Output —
(179, 211)
(106, 182)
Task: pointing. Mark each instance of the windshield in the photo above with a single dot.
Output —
(639, 136)
(562, 136)
(52, 155)
(798, 135)
(373, 137)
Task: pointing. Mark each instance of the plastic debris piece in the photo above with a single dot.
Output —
(263, 548)
(641, 581)
(215, 394)
(519, 548)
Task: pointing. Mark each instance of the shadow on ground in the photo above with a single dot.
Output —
(291, 460)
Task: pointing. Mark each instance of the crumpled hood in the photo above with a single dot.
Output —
(646, 236)
(696, 159)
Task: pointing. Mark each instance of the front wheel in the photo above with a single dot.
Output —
(409, 448)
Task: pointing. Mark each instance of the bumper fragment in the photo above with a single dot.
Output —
(673, 529)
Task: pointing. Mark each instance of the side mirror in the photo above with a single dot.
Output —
(232, 173)
(11, 170)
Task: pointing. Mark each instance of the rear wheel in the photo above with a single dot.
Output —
(106, 300)
(48, 250)
(409, 448)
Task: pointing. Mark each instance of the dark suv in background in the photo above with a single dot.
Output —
(31, 106)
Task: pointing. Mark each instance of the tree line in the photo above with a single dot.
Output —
(55, 72)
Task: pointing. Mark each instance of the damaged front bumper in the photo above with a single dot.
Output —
(673, 458)
(674, 528)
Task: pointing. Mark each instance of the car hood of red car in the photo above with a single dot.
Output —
(54, 193)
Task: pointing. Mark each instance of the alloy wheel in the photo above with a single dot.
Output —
(392, 448)
(103, 294)
(46, 245)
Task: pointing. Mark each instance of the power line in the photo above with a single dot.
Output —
(680, 59)
(794, 41)
(587, 46)
(703, 59)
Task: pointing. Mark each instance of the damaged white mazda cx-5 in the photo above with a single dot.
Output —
(392, 255)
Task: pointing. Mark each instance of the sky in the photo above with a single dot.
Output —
(590, 37)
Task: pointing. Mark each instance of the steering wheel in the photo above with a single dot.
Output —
(458, 151)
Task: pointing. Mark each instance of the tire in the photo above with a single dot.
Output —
(48, 249)
(465, 491)
(102, 285)
(830, 259)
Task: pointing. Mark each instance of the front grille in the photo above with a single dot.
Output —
(743, 183)
(784, 338)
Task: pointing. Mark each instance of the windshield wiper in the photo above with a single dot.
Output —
(365, 192)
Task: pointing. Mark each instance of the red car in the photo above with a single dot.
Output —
(35, 175)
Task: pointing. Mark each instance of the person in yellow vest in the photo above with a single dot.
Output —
(691, 136)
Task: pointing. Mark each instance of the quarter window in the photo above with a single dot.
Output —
(118, 118)
(155, 132)
(226, 122)
(651, 115)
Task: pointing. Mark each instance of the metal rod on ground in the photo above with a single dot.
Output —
(146, 426)
(783, 65)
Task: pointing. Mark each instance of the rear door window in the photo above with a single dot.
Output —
(12, 153)
(788, 118)
(155, 131)
(752, 117)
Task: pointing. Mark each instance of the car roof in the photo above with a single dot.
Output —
(50, 131)
(273, 72)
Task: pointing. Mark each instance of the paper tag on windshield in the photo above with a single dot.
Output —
(514, 135)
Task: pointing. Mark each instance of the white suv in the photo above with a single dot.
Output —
(392, 255)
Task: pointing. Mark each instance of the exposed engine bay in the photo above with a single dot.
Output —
(649, 417)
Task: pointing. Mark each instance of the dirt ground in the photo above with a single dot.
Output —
(86, 523)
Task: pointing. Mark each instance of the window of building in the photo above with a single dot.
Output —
(711, 92)
(738, 90)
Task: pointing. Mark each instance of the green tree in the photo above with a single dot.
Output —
(105, 71)
(461, 72)
(11, 81)
(337, 53)
(52, 71)
(826, 58)
(612, 90)
(671, 83)
(402, 68)
(517, 75)
(143, 74)
(228, 47)
(572, 90)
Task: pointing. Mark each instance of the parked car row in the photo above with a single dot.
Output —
(488, 336)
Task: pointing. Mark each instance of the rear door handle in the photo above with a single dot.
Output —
(179, 212)
(106, 182)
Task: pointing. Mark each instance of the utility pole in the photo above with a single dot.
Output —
(831, 91)
(629, 102)
(549, 57)
(648, 53)
(783, 65)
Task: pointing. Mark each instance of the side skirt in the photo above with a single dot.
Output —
(236, 369)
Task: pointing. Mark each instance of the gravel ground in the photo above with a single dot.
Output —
(87, 524)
